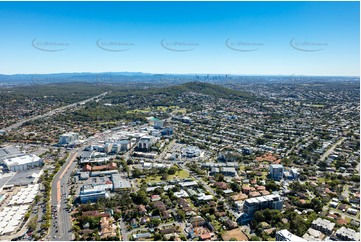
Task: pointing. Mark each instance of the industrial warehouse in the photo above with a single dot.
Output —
(14, 160)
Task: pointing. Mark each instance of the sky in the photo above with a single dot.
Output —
(245, 38)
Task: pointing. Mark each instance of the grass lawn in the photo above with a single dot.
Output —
(108, 122)
(241, 168)
(180, 110)
(264, 175)
(164, 108)
(179, 174)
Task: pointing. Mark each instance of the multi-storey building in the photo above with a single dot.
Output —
(276, 171)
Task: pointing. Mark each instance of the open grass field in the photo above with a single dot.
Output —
(179, 174)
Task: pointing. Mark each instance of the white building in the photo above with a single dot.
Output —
(191, 151)
(22, 163)
(68, 138)
(347, 234)
(323, 225)
(285, 235)
(255, 204)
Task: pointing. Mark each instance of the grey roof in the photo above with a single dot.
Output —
(119, 182)
(349, 233)
(324, 223)
(9, 151)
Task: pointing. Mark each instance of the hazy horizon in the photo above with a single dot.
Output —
(180, 74)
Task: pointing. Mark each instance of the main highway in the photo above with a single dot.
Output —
(61, 224)
(52, 112)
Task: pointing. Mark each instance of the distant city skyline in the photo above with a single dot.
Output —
(234, 38)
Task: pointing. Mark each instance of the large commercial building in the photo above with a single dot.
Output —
(68, 138)
(22, 163)
(276, 171)
(120, 183)
(191, 151)
(91, 193)
(9, 151)
(285, 235)
(255, 204)
(145, 142)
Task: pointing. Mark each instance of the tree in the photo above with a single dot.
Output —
(164, 176)
(259, 217)
(235, 187)
(32, 224)
(181, 214)
(158, 236)
(220, 177)
(136, 172)
(271, 185)
(322, 164)
(183, 237)
(255, 238)
(172, 170)
(260, 141)
(316, 204)
(155, 222)
(140, 197)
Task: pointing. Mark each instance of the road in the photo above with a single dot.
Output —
(61, 223)
(293, 147)
(165, 151)
(345, 192)
(52, 112)
(331, 149)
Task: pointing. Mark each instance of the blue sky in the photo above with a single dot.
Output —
(263, 38)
